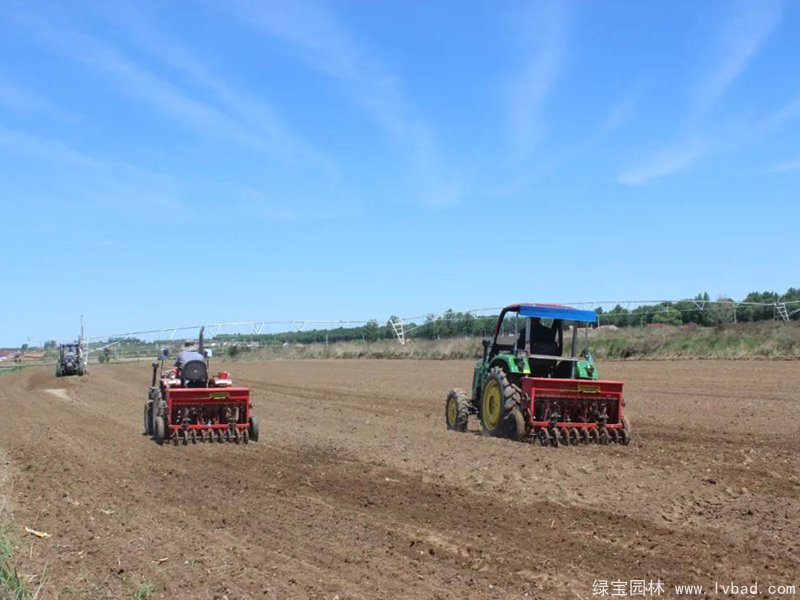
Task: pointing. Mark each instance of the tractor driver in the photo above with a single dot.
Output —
(188, 353)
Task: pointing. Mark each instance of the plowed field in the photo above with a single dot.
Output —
(356, 489)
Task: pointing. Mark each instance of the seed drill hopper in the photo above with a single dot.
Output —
(525, 386)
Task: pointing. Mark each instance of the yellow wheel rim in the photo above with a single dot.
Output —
(451, 412)
(491, 404)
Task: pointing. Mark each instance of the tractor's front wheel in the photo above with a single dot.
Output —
(456, 410)
(500, 412)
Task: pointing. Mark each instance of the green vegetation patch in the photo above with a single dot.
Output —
(11, 586)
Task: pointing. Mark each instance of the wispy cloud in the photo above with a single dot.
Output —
(19, 98)
(262, 203)
(117, 184)
(20, 142)
(543, 33)
(738, 43)
(252, 112)
(788, 111)
(249, 124)
(741, 38)
(785, 167)
(619, 113)
(614, 118)
(315, 37)
(664, 162)
(318, 39)
(190, 94)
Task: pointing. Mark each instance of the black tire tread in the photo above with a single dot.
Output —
(513, 422)
(254, 432)
(462, 409)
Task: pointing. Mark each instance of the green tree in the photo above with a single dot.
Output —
(616, 316)
(723, 310)
(757, 313)
(668, 315)
(371, 331)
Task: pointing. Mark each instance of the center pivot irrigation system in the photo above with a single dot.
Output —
(402, 327)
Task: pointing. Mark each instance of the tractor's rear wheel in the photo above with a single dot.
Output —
(159, 430)
(148, 418)
(500, 412)
(456, 410)
(253, 428)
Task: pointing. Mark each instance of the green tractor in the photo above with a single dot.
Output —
(525, 384)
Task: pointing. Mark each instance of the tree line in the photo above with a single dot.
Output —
(700, 310)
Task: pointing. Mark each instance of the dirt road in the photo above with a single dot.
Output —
(357, 491)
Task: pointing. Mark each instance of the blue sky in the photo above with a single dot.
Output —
(164, 164)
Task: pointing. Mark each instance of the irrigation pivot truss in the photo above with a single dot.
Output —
(402, 327)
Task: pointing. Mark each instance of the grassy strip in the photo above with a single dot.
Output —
(11, 586)
(765, 340)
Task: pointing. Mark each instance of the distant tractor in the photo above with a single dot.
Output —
(185, 405)
(526, 387)
(71, 360)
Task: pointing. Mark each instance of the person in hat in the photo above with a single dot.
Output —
(188, 353)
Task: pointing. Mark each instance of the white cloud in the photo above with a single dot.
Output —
(252, 112)
(663, 163)
(18, 98)
(316, 37)
(790, 110)
(544, 45)
(785, 167)
(619, 113)
(320, 41)
(741, 39)
(247, 123)
(19, 142)
(103, 182)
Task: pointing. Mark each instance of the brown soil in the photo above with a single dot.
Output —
(357, 490)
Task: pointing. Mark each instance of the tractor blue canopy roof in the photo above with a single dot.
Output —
(554, 311)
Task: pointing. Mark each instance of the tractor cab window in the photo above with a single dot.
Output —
(510, 329)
